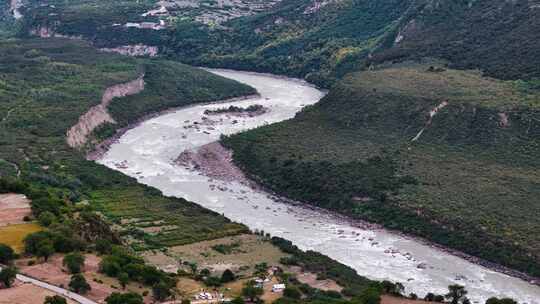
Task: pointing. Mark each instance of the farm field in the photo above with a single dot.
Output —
(13, 235)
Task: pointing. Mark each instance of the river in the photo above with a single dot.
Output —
(147, 152)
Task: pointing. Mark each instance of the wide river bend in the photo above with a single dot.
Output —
(147, 152)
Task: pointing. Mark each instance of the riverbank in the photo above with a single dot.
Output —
(100, 149)
(215, 161)
(148, 152)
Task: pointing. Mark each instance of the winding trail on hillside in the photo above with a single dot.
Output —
(150, 152)
(57, 290)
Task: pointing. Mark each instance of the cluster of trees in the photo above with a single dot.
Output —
(55, 300)
(59, 239)
(235, 109)
(126, 267)
(8, 272)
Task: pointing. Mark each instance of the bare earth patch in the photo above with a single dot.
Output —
(311, 280)
(54, 273)
(395, 300)
(13, 208)
(251, 250)
(25, 294)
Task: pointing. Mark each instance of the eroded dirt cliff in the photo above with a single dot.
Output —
(77, 136)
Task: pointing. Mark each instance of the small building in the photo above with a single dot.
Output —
(278, 287)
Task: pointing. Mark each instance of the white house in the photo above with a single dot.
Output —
(278, 287)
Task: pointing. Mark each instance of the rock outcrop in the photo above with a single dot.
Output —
(133, 50)
(15, 5)
(77, 136)
(49, 32)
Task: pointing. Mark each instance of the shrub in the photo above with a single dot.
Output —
(227, 276)
(292, 292)
(78, 284)
(6, 254)
(55, 300)
(126, 298)
(46, 218)
(7, 276)
(74, 262)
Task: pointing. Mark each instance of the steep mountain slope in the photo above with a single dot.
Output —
(324, 40)
(319, 40)
(500, 37)
(445, 154)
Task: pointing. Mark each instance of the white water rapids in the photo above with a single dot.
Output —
(148, 150)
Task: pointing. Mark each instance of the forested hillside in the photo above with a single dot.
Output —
(431, 126)
(46, 84)
(319, 40)
(445, 154)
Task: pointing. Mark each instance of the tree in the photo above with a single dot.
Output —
(45, 249)
(161, 291)
(46, 218)
(7, 276)
(438, 298)
(55, 300)
(292, 292)
(237, 300)
(78, 284)
(212, 281)
(500, 301)
(126, 298)
(103, 246)
(429, 297)
(370, 296)
(74, 262)
(6, 254)
(252, 292)
(110, 266)
(227, 276)
(456, 294)
(123, 278)
(392, 288)
(32, 241)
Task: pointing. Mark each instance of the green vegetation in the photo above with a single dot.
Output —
(74, 262)
(54, 300)
(471, 177)
(78, 284)
(322, 44)
(7, 276)
(6, 254)
(226, 248)
(127, 267)
(235, 109)
(312, 261)
(45, 86)
(126, 298)
(98, 20)
(8, 25)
